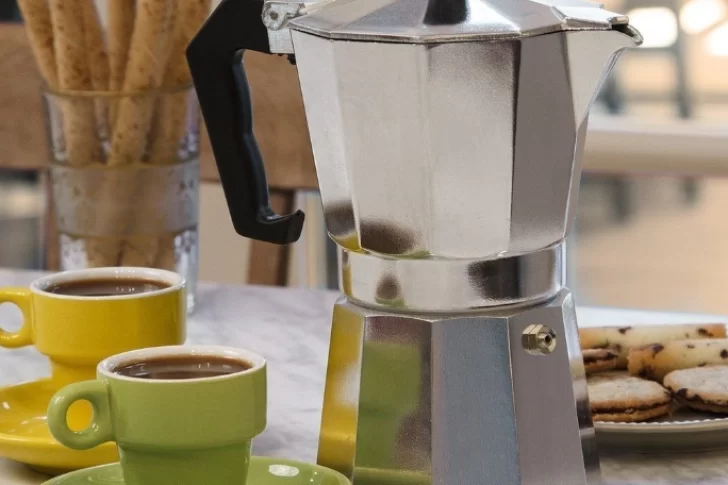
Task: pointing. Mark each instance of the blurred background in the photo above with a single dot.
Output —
(641, 240)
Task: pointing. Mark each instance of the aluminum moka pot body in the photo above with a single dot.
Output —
(447, 137)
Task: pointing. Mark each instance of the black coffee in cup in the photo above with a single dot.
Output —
(182, 367)
(106, 287)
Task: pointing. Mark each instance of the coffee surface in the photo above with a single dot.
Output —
(107, 287)
(182, 367)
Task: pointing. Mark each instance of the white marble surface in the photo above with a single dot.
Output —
(291, 329)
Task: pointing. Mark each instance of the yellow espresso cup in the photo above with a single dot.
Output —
(77, 332)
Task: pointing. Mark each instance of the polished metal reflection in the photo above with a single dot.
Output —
(448, 137)
(456, 400)
(452, 150)
(442, 285)
(435, 21)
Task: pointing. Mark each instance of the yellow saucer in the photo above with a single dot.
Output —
(25, 437)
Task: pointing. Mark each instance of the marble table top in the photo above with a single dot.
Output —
(290, 327)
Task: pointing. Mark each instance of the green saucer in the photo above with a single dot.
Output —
(262, 471)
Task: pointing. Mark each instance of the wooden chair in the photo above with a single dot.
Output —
(279, 124)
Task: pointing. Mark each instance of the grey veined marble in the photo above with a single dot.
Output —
(290, 328)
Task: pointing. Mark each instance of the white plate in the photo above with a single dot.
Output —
(683, 430)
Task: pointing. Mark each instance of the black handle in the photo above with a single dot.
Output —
(215, 57)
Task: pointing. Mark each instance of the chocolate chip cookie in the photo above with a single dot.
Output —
(701, 388)
(619, 397)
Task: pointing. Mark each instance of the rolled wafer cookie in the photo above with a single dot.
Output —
(121, 25)
(80, 125)
(622, 339)
(37, 17)
(79, 118)
(98, 59)
(174, 110)
(150, 44)
(171, 122)
(148, 51)
(67, 17)
(655, 361)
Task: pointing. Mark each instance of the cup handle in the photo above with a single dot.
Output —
(20, 297)
(99, 431)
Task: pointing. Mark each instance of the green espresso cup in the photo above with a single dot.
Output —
(182, 415)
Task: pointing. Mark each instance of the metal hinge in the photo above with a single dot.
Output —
(277, 13)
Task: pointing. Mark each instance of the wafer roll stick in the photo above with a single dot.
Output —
(173, 110)
(169, 128)
(98, 60)
(144, 69)
(39, 27)
(150, 47)
(171, 122)
(37, 17)
(82, 142)
(83, 145)
(120, 28)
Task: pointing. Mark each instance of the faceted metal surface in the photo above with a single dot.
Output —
(457, 400)
(439, 285)
(435, 21)
(455, 150)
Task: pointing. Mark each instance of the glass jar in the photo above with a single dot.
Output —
(125, 179)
